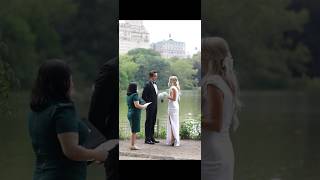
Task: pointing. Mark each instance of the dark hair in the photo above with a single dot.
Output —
(132, 88)
(53, 83)
(151, 73)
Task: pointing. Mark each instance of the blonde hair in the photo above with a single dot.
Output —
(216, 53)
(173, 81)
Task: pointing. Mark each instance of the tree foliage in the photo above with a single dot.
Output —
(84, 33)
(256, 31)
(272, 41)
(137, 63)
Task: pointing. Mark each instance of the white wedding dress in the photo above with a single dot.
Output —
(173, 119)
(217, 156)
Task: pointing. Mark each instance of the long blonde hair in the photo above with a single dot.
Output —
(217, 56)
(173, 81)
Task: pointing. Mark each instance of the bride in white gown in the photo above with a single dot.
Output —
(219, 110)
(173, 137)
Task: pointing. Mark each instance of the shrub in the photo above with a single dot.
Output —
(162, 133)
(190, 129)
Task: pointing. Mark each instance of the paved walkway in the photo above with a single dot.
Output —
(188, 150)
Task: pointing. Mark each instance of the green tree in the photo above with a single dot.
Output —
(90, 37)
(148, 63)
(147, 60)
(137, 63)
(128, 69)
(6, 78)
(183, 69)
(21, 55)
(142, 51)
(255, 30)
(196, 60)
(28, 28)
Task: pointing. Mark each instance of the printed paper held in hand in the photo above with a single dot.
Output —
(146, 105)
(105, 147)
(108, 145)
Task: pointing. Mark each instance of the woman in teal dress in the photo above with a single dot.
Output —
(56, 132)
(134, 112)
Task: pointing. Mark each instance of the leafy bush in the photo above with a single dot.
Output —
(123, 134)
(6, 79)
(162, 133)
(190, 129)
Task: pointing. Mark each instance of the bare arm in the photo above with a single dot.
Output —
(173, 94)
(215, 105)
(69, 143)
(137, 105)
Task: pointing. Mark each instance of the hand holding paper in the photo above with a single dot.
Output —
(105, 148)
(108, 145)
(146, 105)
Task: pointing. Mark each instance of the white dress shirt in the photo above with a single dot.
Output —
(155, 87)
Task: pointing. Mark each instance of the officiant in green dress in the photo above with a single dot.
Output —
(135, 105)
(57, 134)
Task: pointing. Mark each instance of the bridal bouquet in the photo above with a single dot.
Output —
(162, 95)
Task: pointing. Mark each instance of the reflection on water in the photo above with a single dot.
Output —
(189, 109)
(278, 137)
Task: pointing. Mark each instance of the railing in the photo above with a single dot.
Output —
(125, 132)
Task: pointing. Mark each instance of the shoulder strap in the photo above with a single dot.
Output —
(216, 81)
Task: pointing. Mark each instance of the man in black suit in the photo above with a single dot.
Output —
(103, 113)
(149, 94)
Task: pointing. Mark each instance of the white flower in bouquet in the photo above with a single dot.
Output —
(162, 95)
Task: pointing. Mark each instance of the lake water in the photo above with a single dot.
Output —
(279, 136)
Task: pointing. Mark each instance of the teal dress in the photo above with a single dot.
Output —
(134, 114)
(51, 163)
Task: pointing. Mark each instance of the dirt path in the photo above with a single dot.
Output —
(189, 150)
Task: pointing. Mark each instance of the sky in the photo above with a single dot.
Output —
(188, 31)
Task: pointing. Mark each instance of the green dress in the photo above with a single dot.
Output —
(51, 163)
(134, 114)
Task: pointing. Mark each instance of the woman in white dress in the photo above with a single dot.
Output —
(173, 137)
(220, 104)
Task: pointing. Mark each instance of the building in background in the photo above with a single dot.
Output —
(170, 48)
(132, 34)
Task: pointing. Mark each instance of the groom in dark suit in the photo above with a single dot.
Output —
(103, 113)
(149, 94)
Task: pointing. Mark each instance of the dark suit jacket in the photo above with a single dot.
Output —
(104, 113)
(104, 107)
(149, 94)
